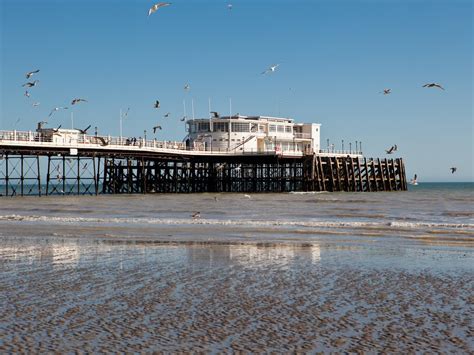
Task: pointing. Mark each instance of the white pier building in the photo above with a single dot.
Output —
(253, 134)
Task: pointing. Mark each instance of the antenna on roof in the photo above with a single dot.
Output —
(230, 122)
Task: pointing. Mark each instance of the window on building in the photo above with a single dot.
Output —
(281, 129)
(192, 127)
(203, 127)
(261, 128)
(288, 129)
(240, 127)
(221, 126)
(272, 128)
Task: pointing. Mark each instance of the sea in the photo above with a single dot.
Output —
(215, 272)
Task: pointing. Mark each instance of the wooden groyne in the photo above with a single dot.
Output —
(91, 173)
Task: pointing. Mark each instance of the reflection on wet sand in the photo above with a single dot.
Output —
(65, 295)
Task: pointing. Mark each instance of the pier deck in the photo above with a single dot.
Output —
(32, 164)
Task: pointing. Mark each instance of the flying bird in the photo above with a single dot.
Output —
(30, 84)
(167, 114)
(387, 91)
(215, 114)
(101, 140)
(56, 109)
(229, 6)
(196, 215)
(187, 87)
(30, 73)
(84, 131)
(34, 104)
(183, 119)
(414, 180)
(247, 196)
(76, 101)
(392, 149)
(453, 169)
(27, 94)
(433, 85)
(271, 69)
(155, 7)
(155, 128)
(157, 104)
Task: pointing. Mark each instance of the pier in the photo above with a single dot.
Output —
(52, 162)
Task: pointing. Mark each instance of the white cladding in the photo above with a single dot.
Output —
(253, 134)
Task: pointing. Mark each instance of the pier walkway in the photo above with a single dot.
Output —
(36, 163)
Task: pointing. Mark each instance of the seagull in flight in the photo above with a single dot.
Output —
(183, 119)
(433, 85)
(84, 131)
(167, 114)
(387, 91)
(453, 169)
(155, 128)
(27, 94)
(30, 73)
(157, 104)
(155, 7)
(76, 101)
(187, 87)
(392, 149)
(35, 104)
(229, 6)
(30, 84)
(56, 109)
(414, 180)
(196, 215)
(215, 114)
(247, 196)
(271, 69)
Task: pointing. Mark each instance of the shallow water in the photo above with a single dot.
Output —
(276, 272)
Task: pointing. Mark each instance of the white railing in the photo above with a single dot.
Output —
(302, 135)
(340, 152)
(67, 140)
(109, 142)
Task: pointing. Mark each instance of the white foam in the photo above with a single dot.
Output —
(242, 223)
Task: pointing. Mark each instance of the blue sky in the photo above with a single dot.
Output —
(336, 56)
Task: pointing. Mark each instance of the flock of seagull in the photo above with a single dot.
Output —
(394, 147)
(271, 69)
(31, 84)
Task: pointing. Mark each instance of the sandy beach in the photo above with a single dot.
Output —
(97, 295)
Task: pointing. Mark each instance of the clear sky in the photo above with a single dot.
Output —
(336, 57)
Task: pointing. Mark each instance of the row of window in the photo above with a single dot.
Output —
(238, 127)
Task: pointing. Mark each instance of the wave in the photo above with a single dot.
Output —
(241, 223)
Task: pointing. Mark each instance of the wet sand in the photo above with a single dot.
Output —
(94, 295)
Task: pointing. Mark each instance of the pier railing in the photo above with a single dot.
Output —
(61, 139)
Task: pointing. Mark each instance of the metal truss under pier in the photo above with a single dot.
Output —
(22, 175)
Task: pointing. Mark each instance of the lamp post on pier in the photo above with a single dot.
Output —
(123, 116)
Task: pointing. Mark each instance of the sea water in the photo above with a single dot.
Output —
(387, 271)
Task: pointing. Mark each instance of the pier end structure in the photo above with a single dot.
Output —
(224, 154)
